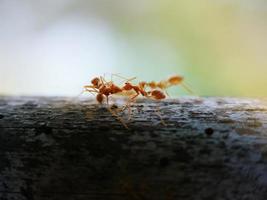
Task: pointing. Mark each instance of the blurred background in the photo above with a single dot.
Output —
(54, 47)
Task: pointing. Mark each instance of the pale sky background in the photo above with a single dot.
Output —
(54, 47)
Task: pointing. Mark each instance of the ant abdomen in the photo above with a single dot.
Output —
(158, 95)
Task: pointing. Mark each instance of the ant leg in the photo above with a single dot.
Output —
(115, 114)
(157, 112)
(124, 78)
(167, 93)
(81, 93)
(90, 88)
(103, 81)
(134, 97)
(187, 88)
(107, 101)
(117, 117)
(91, 91)
(129, 101)
(128, 105)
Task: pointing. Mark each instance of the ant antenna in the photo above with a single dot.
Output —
(77, 96)
(157, 112)
(124, 79)
(188, 89)
(103, 81)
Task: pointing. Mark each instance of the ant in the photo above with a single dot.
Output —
(139, 89)
(174, 80)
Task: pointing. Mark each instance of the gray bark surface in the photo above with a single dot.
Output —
(60, 148)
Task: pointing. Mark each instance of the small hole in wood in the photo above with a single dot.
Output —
(209, 131)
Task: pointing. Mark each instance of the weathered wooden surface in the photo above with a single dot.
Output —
(56, 148)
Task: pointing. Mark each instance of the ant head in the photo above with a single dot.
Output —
(142, 84)
(95, 81)
(175, 80)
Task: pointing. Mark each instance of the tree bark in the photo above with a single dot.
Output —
(187, 148)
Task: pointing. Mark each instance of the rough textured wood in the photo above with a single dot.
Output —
(57, 148)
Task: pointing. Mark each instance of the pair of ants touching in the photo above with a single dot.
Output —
(104, 89)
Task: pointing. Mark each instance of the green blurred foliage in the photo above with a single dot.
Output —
(219, 46)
